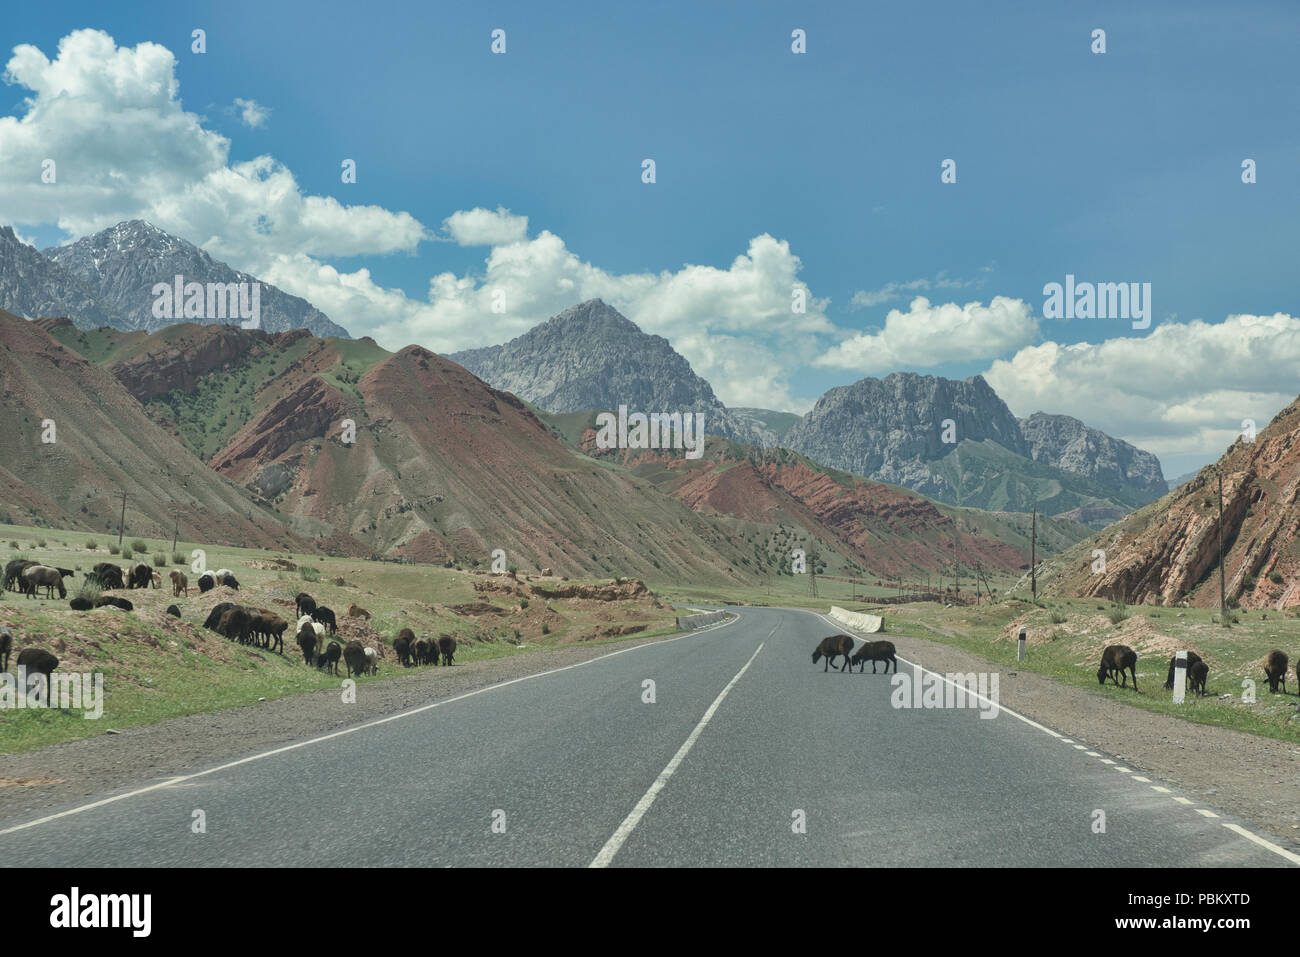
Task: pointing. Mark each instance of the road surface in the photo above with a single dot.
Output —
(750, 755)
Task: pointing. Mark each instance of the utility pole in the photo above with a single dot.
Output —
(812, 570)
(956, 571)
(1223, 601)
(1033, 554)
(176, 532)
(121, 524)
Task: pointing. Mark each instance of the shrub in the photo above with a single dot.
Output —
(14, 546)
(90, 591)
(178, 558)
(1056, 618)
(127, 554)
(92, 544)
(139, 546)
(546, 629)
(1275, 577)
(308, 573)
(40, 543)
(523, 603)
(159, 559)
(1118, 615)
(113, 549)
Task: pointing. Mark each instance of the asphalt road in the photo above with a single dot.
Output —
(745, 739)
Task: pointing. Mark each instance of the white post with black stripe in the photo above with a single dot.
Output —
(1180, 676)
(1020, 645)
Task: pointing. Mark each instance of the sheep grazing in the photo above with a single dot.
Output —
(356, 611)
(304, 603)
(1192, 658)
(80, 604)
(173, 611)
(372, 661)
(271, 626)
(207, 582)
(874, 651)
(6, 646)
(112, 601)
(1275, 670)
(179, 584)
(355, 657)
(1118, 659)
(140, 576)
(236, 624)
(43, 576)
(222, 573)
(107, 576)
(1199, 673)
(420, 651)
(332, 655)
(14, 573)
(326, 617)
(229, 581)
(307, 642)
(214, 617)
(831, 648)
(447, 645)
(402, 646)
(38, 661)
(66, 572)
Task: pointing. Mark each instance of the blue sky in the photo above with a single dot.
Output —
(819, 170)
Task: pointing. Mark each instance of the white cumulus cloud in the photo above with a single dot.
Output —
(483, 227)
(252, 113)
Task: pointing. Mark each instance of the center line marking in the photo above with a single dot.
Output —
(632, 820)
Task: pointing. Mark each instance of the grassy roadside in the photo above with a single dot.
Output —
(1066, 638)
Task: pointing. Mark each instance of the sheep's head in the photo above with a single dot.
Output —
(1101, 675)
(817, 656)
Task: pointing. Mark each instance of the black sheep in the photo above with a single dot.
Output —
(237, 625)
(214, 616)
(831, 648)
(1199, 673)
(141, 576)
(874, 651)
(447, 645)
(207, 582)
(115, 602)
(332, 655)
(6, 646)
(229, 581)
(355, 656)
(326, 617)
(1118, 659)
(1192, 658)
(80, 604)
(307, 642)
(304, 603)
(38, 661)
(402, 646)
(14, 573)
(107, 576)
(1275, 670)
(173, 611)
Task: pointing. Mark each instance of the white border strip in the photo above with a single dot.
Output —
(360, 727)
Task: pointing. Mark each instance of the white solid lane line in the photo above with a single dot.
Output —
(630, 822)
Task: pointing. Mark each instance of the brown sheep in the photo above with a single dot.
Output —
(446, 645)
(1118, 659)
(236, 624)
(43, 576)
(271, 626)
(307, 642)
(402, 646)
(1275, 670)
(355, 657)
(874, 651)
(157, 580)
(180, 583)
(831, 648)
(356, 611)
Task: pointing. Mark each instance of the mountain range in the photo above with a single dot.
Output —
(107, 279)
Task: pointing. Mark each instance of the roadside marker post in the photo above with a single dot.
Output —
(1180, 676)
(1020, 645)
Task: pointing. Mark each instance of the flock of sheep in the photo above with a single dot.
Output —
(244, 624)
(1119, 659)
(872, 651)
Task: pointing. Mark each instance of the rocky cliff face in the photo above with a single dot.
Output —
(1169, 551)
(1068, 444)
(592, 357)
(890, 429)
(122, 264)
(33, 286)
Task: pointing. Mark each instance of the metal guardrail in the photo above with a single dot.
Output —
(691, 622)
